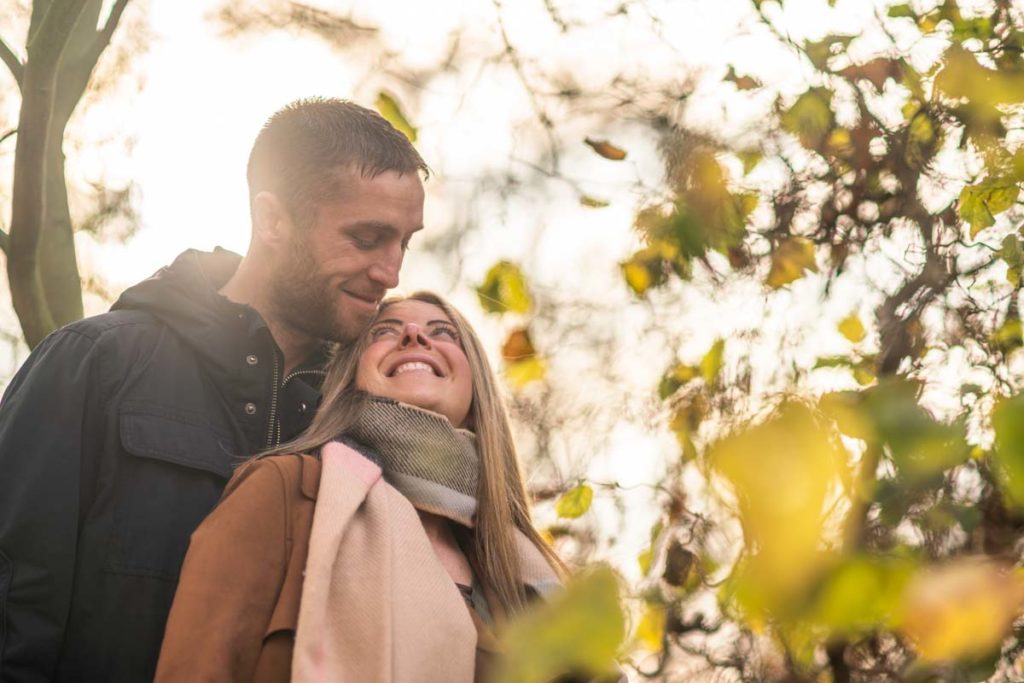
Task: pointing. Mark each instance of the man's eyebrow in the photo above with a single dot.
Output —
(371, 225)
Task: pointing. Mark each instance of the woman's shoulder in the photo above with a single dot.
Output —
(292, 471)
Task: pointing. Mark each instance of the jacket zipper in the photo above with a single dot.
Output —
(274, 428)
(273, 405)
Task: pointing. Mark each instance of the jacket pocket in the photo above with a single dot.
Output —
(176, 467)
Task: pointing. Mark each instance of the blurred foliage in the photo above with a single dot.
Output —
(852, 516)
(875, 537)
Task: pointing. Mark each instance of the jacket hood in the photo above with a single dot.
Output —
(185, 297)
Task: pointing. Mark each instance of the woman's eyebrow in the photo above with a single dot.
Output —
(441, 322)
(387, 321)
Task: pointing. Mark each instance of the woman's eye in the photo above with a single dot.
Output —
(381, 332)
(446, 332)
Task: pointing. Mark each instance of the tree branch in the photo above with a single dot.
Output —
(12, 61)
(103, 35)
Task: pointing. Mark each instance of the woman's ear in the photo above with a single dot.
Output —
(271, 223)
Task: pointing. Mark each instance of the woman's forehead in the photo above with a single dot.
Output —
(412, 311)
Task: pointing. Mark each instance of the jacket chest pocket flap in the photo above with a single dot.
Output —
(176, 468)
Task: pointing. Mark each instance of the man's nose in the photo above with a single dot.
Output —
(384, 271)
(412, 334)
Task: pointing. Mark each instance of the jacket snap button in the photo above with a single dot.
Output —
(303, 408)
(251, 359)
(250, 408)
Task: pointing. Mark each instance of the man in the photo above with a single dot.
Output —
(120, 431)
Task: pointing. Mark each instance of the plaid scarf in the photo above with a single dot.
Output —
(430, 462)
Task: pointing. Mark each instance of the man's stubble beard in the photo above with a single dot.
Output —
(303, 297)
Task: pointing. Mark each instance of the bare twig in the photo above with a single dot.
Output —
(14, 64)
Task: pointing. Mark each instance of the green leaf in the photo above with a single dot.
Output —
(389, 108)
(504, 290)
(810, 118)
(575, 502)
(577, 631)
(820, 51)
(1012, 252)
(593, 202)
(750, 159)
(862, 594)
(1008, 454)
(904, 10)
(921, 446)
(980, 204)
(711, 363)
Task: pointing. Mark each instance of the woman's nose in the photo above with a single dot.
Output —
(412, 334)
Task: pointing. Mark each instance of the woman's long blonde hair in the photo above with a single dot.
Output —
(502, 504)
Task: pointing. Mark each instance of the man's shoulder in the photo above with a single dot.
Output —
(112, 323)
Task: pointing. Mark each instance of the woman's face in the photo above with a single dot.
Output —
(415, 356)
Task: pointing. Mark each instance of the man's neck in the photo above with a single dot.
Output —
(248, 287)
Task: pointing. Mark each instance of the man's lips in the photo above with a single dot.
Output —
(368, 299)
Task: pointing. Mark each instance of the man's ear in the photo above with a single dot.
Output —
(271, 223)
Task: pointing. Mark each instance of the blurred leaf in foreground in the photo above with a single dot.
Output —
(504, 290)
(578, 631)
(1008, 455)
(861, 594)
(782, 472)
(389, 108)
(962, 610)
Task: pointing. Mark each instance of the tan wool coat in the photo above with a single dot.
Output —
(236, 611)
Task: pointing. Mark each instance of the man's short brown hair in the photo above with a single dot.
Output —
(300, 149)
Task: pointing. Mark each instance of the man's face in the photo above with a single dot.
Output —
(332, 274)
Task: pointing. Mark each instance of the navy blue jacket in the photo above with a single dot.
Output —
(116, 438)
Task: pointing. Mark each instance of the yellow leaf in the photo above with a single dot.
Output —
(852, 328)
(523, 372)
(593, 202)
(638, 277)
(579, 630)
(651, 630)
(711, 363)
(389, 108)
(606, 149)
(782, 472)
(962, 610)
(575, 502)
(504, 290)
(790, 260)
(645, 559)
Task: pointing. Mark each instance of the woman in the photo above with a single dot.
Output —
(369, 564)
